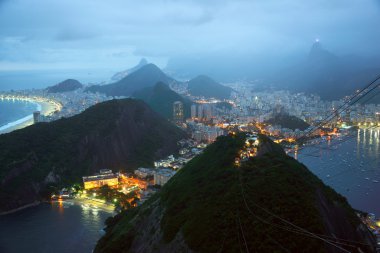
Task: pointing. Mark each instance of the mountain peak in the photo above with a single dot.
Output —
(318, 53)
(65, 86)
(120, 75)
(146, 76)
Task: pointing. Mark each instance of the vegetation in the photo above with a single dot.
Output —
(206, 87)
(146, 76)
(288, 121)
(115, 134)
(215, 205)
(67, 85)
(122, 201)
(161, 98)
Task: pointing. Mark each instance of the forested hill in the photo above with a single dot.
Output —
(270, 203)
(117, 134)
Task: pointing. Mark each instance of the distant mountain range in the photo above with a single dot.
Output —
(65, 86)
(120, 75)
(115, 134)
(146, 76)
(149, 75)
(328, 75)
(264, 205)
(206, 87)
(161, 98)
(317, 71)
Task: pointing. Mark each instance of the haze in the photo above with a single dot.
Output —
(109, 36)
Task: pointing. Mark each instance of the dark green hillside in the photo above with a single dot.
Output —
(146, 76)
(65, 86)
(288, 121)
(117, 134)
(212, 206)
(161, 98)
(206, 87)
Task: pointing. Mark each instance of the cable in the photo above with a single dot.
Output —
(298, 231)
(288, 222)
(351, 101)
(242, 232)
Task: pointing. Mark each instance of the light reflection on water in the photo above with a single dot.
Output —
(61, 227)
(352, 168)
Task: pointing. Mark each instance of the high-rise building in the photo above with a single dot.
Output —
(193, 111)
(200, 112)
(207, 110)
(36, 117)
(178, 115)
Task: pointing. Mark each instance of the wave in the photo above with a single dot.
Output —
(22, 120)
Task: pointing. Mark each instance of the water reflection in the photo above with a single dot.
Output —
(352, 169)
(60, 227)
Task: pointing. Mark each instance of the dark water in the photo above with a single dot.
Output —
(51, 228)
(351, 167)
(14, 110)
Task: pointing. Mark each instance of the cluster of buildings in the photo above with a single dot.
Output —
(202, 112)
(249, 150)
(202, 132)
(373, 225)
(66, 103)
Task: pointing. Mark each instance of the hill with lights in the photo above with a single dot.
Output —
(269, 203)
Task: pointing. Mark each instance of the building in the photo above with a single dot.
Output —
(207, 111)
(193, 111)
(105, 177)
(36, 117)
(178, 116)
(200, 112)
(144, 172)
(162, 176)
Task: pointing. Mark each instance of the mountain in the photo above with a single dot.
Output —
(328, 75)
(146, 76)
(117, 134)
(264, 205)
(67, 85)
(120, 75)
(161, 98)
(288, 121)
(206, 87)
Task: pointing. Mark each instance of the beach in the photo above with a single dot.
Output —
(46, 108)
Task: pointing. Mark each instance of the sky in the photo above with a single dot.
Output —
(114, 34)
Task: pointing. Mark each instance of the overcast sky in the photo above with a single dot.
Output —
(115, 34)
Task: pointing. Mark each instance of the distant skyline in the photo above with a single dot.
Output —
(114, 35)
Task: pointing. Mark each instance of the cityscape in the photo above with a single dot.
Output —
(181, 126)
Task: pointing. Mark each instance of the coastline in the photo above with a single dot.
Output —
(45, 108)
(89, 203)
(35, 203)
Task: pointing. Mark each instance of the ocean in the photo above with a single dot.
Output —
(38, 79)
(60, 227)
(15, 110)
(351, 166)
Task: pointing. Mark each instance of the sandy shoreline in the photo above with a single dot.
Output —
(36, 203)
(46, 108)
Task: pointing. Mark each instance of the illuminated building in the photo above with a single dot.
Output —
(162, 176)
(178, 116)
(106, 177)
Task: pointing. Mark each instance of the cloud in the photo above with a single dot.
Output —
(120, 31)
